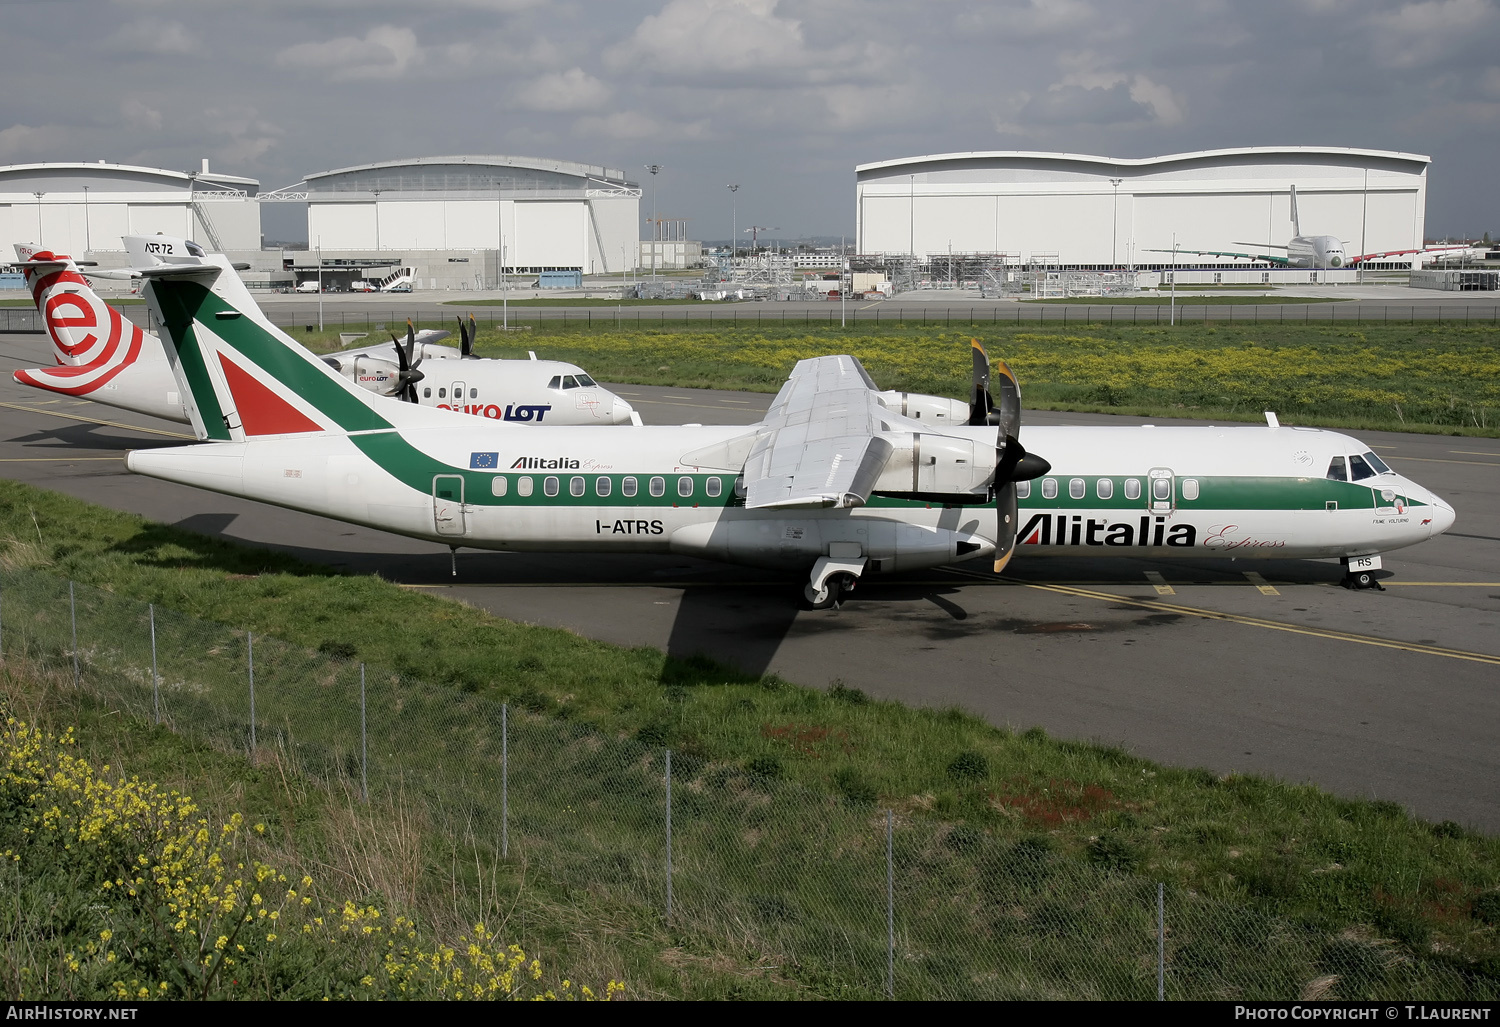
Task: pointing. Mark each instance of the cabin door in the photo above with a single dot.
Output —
(448, 504)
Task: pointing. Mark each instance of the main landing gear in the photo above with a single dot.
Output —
(1359, 573)
(832, 579)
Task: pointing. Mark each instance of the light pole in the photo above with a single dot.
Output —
(1172, 311)
(39, 217)
(87, 241)
(843, 274)
(655, 170)
(376, 194)
(1114, 224)
(734, 224)
(320, 283)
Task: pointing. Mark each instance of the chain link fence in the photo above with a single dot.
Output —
(831, 895)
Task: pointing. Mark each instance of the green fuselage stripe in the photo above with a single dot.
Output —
(178, 311)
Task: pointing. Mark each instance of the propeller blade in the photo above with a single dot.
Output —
(473, 335)
(401, 361)
(1008, 413)
(413, 358)
(980, 403)
(1007, 518)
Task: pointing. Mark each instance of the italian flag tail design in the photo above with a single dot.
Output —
(248, 379)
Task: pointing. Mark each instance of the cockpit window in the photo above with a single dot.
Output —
(586, 381)
(556, 382)
(569, 382)
(1336, 471)
(1377, 463)
(1359, 470)
(194, 249)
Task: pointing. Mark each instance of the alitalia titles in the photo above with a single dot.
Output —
(542, 463)
(1048, 529)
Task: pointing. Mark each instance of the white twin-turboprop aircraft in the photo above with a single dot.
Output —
(836, 482)
(105, 358)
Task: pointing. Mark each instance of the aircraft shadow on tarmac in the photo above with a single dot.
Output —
(85, 436)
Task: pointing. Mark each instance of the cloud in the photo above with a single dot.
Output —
(385, 51)
(572, 90)
(1420, 33)
(1094, 98)
(632, 125)
(39, 142)
(138, 115)
(152, 36)
(243, 135)
(740, 43)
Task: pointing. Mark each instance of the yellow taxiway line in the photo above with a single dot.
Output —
(95, 420)
(1270, 625)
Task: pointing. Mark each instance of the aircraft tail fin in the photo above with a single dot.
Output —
(1296, 226)
(241, 376)
(85, 331)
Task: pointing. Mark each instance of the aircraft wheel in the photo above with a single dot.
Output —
(820, 598)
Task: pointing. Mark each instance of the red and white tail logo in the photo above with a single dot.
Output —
(89, 338)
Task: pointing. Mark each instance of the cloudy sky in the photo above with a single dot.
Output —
(783, 98)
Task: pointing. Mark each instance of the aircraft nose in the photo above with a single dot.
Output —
(622, 411)
(1443, 517)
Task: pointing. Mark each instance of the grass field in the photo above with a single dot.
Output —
(1183, 299)
(1424, 377)
(576, 301)
(1364, 884)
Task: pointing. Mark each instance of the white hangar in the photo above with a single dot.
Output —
(1084, 211)
(79, 208)
(543, 214)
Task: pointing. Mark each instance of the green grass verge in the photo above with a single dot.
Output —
(578, 301)
(1352, 872)
(1423, 377)
(1185, 299)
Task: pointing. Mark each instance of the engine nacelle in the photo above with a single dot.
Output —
(935, 466)
(936, 409)
(380, 376)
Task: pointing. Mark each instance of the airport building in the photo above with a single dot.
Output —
(80, 208)
(464, 221)
(1078, 211)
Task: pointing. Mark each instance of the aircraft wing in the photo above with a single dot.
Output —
(1400, 253)
(820, 444)
(383, 349)
(1227, 253)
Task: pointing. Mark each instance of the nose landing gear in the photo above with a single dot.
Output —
(1359, 573)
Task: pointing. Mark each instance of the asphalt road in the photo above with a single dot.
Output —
(1391, 694)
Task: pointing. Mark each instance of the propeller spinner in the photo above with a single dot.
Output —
(1012, 462)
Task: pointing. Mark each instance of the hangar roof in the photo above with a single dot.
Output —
(72, 176)
(1412, 163)
(467, 173)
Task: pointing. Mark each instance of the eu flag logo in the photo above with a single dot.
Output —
(484, 461)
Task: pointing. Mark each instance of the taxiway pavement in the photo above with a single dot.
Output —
(1393, 694)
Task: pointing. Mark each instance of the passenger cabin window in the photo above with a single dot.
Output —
(1336, 471)
(1049, 488)
(576, 486)
(603, 486)
(1161, 489)
(1359, 470)
(658, 487)
(550, 485)
(1377, 463)
(569, 382)
(1190, 488)
(499, 484)
(1023, 490)
(627, 487)
(442, 393)
(1104, 488)
(473, 393)
(523, 485)
(1075, 488)
(427, 393)
(714, 487)
(1132, 488)
(556, 382)
(684, 486)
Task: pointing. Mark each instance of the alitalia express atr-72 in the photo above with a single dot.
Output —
(838, 481)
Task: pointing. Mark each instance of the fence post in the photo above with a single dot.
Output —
(364, 774)
(1161, 941)
(73, 614)
(504, 780)
(669, 834)
(155, 678)
(890, 911)
(250, 660)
